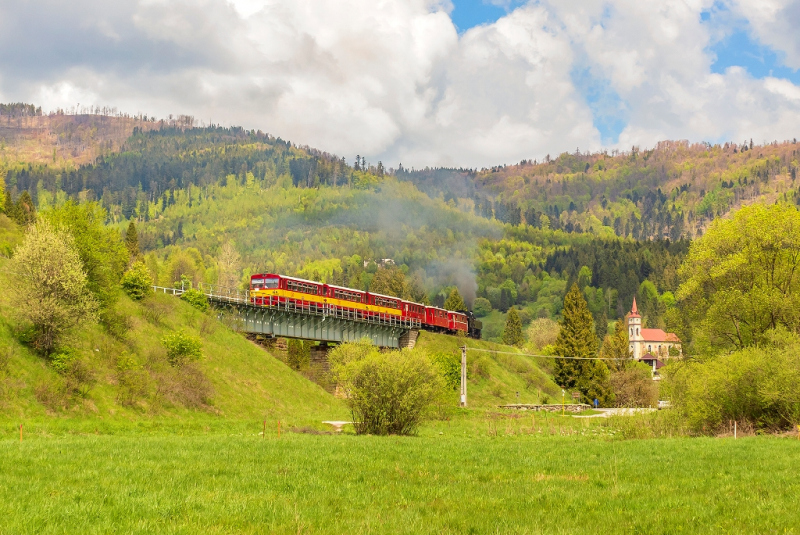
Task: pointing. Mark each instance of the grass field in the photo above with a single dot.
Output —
(463, 476)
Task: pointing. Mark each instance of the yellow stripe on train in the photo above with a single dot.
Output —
(287, 294)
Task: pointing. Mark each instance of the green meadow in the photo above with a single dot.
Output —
(477, 473)
(156, 466)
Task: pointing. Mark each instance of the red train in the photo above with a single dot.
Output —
(270, 289)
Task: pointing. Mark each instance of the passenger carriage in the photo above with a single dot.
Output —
(436, 318)
(457, 321)
(269, 289)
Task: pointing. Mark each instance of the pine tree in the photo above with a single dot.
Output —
(132, 241)
(512, 334)
(24, 210)
(505, 299)
(576, 340)
(9, 208)
(454, 301)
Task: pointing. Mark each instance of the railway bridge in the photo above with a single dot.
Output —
(305, 320)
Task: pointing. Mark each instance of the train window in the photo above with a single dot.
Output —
(271, 282)
(347, 296)
(256, 284)
(388, 303)
(302, 287)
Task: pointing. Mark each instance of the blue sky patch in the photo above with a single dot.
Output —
(467, 14)
(609, 113)
(738, 49)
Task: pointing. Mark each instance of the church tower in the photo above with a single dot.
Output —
(635, 332)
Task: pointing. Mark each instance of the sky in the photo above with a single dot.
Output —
(457, 83)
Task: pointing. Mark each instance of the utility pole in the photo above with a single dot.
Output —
(464, 376)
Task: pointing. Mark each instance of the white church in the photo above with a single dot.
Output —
(649, 345)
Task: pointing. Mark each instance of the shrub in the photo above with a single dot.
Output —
(196, 298)
(387, 392)
(481, 307)
(298, 354)
(132, 380)
(449, 365)
(137, 282)
(542, 332)
(480, 367)
(62, 360)
(759, 386)
(633, 386)
(181, 348)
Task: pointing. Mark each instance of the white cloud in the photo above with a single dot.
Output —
(775, 24)
(393, 80)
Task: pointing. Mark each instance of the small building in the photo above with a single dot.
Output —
(649, 341)
(654, 363)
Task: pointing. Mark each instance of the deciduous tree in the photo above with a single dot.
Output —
(230, 266)
(51, 291)
(742, 278)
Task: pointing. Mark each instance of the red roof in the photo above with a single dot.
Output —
(655, 335)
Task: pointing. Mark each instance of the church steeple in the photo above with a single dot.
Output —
(634, 309)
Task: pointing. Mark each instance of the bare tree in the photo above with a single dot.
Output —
(230, 266)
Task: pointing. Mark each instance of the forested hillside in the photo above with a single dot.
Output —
(671, 191)
(214, 205)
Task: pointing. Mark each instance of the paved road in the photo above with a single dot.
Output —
(605, 413)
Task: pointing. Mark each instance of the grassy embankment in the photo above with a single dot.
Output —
(236, 381)
(495, 378)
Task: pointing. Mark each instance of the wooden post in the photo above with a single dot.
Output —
(464, 376)
(734, 429)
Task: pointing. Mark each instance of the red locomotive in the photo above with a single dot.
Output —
(268, 289)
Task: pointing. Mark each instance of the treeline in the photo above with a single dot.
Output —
(671, 191)
(20, 109)
(153, 165)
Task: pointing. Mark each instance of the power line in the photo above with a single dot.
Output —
(543, 356)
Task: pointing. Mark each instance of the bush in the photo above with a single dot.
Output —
(542, 332)
(196, 298)
(61, 361)
(755, 386)
(633, 386)
(481, 307)
(387, 392)
(137, 282)
(298, 354)
(480, 367)
(449, 365)
(181, 348)
(132, 380)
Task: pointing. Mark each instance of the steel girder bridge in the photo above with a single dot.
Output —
(304, 319)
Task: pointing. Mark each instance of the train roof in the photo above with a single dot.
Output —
(387, 296)
(345, 288)
(287, 277)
